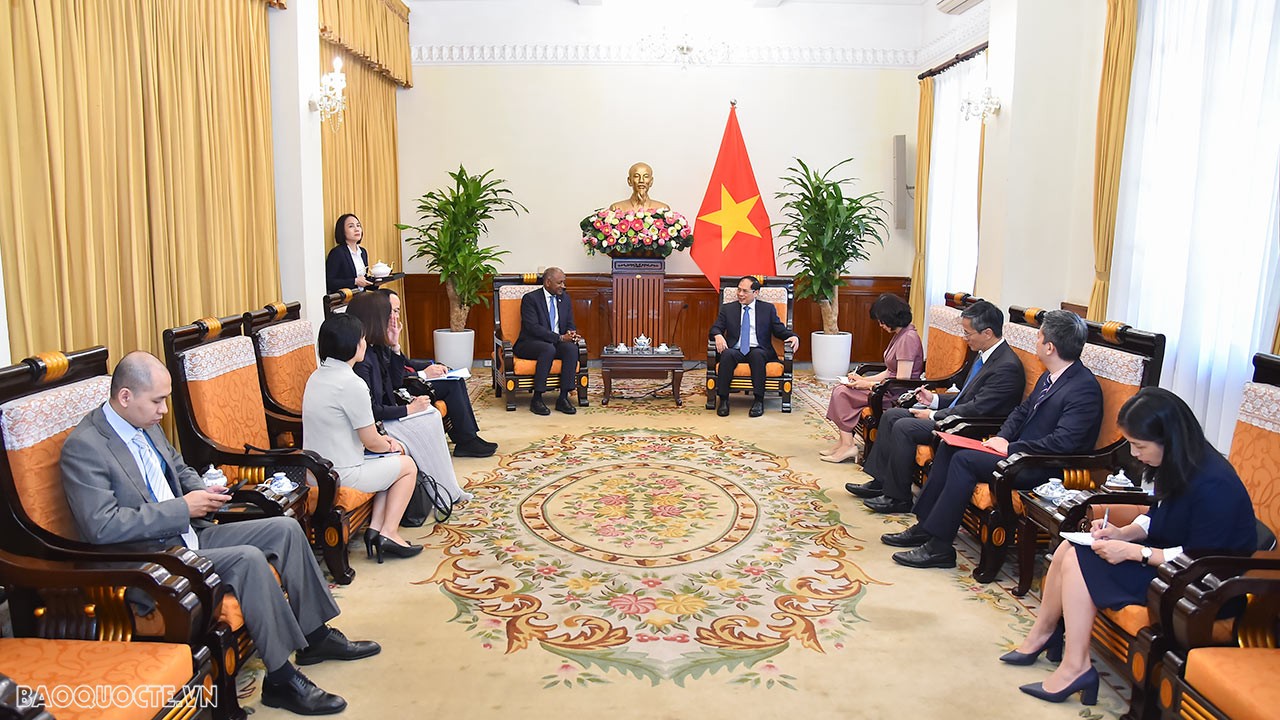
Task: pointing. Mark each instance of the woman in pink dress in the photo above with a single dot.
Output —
(850, 397)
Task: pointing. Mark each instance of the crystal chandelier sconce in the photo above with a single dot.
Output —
(330, 100)
(982, 107)
(686, 51)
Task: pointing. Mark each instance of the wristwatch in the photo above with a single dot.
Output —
(1146, 555)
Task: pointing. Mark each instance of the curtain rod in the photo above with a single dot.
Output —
(952, 62)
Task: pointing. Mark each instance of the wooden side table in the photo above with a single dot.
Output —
(642, 364)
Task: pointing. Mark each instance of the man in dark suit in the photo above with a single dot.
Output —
(754, 345)
(547, 333)
(1062, 415)
(992, 388)
(126, 484)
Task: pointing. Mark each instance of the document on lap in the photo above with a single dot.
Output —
(1078, 538)
(964, 443)
(459, 374)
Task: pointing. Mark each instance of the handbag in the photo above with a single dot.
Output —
(427, 498)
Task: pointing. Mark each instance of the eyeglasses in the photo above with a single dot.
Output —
(966, 334)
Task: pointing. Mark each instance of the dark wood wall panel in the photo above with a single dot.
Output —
(691, 309)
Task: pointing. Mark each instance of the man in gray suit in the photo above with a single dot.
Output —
(127, 484)
(993, 388)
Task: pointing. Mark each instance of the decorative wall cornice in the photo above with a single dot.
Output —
(589, 54)
(973, 31)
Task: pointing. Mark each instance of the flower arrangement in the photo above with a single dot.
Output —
(652, 233)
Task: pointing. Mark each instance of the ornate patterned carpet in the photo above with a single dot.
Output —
(646, 561)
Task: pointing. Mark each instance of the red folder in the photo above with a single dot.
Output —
(964, 443)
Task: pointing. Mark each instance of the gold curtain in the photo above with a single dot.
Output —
(135, 144)
(1113, 110)
(924, 141)
(360, 165)
(376, 31)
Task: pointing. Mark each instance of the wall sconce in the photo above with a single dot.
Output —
(686, 51)
(983, 107)
(329, 100)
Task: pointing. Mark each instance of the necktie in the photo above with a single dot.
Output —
(973, 373)
(1043, 394)
(551, 312)
(156, 482)
(744, 335)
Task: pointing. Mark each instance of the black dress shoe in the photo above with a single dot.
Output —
(485, 443)
(913, 536)
(886, 504)
(301, 696)
(933, 554)
(474, 447)
(538, 407)
(723, 408)
(871, 489)
(757, 409)
(565, 405)
(336, 646)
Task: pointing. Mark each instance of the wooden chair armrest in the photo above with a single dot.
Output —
(971, 427)
(867, 368)
(1198, 604)
(186, 618)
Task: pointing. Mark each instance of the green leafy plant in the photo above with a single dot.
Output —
(452, 221)
(827, 230)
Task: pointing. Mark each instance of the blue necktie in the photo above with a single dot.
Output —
(555, 320)
(973, 373)
(744, 337)
(1043, 394)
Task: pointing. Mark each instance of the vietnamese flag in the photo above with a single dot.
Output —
(732, 235)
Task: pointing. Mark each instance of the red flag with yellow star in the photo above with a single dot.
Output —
(732, 235)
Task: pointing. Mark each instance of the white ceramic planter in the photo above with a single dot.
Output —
(455, 349)
(831, 355)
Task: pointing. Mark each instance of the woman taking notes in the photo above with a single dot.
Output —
(339, 426)
(1201, 505)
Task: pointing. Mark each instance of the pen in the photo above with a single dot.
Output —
(1106, 515)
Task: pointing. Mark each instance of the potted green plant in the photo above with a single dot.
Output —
(452, 220)
(827, 230)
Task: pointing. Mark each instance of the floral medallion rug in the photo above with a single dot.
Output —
(660, 554)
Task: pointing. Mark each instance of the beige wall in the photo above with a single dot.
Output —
(1036, 245)
(563, 137)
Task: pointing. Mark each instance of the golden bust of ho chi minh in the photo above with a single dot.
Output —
(640, 178)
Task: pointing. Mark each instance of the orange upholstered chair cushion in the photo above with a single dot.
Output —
(947, 349)
(1241, 682)
(1130, 618)
(527, 367)
(288, 358)
(1023, 341)
(984, 499)
(1255, 450)
(509, 299)
(1119, 515)
(222, 380)
(924, 455)
(773, 369)
(35, 662)
(347, 498)
(35, 427)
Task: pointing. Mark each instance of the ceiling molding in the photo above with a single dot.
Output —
(973, 31)
(589, 54)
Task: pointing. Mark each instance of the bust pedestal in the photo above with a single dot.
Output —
(639, 284)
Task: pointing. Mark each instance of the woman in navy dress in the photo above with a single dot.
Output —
(1201, 506)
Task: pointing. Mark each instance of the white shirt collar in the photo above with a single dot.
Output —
(986, 354)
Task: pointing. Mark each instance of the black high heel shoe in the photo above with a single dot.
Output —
(370, 538)
(394, 549)
(1086, 685)
(1053, 646)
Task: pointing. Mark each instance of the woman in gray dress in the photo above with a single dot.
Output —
(339, 425)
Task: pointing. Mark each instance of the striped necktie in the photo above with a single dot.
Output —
(1043, 394)
(153, 473)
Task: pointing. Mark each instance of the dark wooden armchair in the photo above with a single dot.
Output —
(946, 363)
(41, 400)
(337, 302)
(1208, 673)
(510, 373)
(222, 420)
(779, 376)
